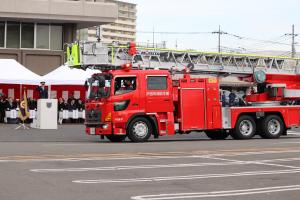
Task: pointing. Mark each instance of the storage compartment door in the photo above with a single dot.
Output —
(192, 109)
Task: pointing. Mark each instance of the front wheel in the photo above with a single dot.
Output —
(139, 130)
(116, 138)
(245, 128)
(272, 127)
(217, 135)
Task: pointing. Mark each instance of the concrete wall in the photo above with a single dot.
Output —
(82, 13)
(38, 61)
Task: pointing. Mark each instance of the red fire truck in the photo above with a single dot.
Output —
(138, 103)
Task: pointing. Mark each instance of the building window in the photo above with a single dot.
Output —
(56, 37)
(2, 33)
(13, 35)
(27, 35)
(157, 83)
(42, 36)
(31, 36)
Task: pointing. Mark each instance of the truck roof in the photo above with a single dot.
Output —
(139, 72)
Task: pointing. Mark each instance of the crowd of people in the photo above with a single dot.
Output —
(8, 104)
(70, 104)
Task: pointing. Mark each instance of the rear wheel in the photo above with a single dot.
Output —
(217, 135)
(139, 130)
(272, 127)
(116, 138)
(245, 128)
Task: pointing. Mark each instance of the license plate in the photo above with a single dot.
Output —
(92, 131)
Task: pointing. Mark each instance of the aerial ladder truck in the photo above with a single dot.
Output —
(142, 92)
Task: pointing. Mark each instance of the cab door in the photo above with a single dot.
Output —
(158, 94)
(125, 100)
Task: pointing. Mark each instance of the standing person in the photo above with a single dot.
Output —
(232, 97)
(2, 109)
(43, 93)
(223, 99)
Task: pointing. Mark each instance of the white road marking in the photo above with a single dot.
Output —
(142, 157)
(252, 153)
(188, 177)
(258, 162)
(288, 143)
(227, 193)
(175, 165)
(74, 159)
(113, 168)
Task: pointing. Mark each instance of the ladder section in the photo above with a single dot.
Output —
(91, 54)
(204, 61)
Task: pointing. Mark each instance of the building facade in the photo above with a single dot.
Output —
(122, 30)
(34, 32)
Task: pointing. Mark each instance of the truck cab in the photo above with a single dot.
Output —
(133, 103)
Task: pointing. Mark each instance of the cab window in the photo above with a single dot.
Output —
(124, 85)
(157, 83)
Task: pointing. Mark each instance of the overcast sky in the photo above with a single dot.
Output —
(257, 19)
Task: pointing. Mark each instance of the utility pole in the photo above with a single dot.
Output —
(153, 37)
(219, 37)
(293, 35)
(219, 43)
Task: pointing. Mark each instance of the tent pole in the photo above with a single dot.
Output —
(20, 92)
(49, 91)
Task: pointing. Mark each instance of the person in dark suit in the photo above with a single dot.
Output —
(80, 105)
(2, 109)
(72, 106)
(10, 104)
(61, 104)
(32, 105)
(43, 93)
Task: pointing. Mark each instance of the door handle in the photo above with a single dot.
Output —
(135, 104)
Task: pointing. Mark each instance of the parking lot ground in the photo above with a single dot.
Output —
(67, 164)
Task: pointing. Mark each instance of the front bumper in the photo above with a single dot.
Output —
(104, 129)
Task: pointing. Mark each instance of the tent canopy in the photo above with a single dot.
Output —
(13, 72)
(64, 75)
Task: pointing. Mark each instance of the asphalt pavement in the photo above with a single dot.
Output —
(67, 164)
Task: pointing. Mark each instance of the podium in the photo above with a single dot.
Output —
(46, 116)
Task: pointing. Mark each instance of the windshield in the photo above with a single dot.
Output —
(98, 86)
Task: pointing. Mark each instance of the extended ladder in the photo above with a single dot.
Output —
(89, 54)
(205, 61)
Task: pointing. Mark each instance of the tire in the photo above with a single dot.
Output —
(139, 130)
(116, 138)
(245, 128)
(217, 135)
(272, 127)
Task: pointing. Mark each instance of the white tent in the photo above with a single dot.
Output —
(13, 72)
(64, 75)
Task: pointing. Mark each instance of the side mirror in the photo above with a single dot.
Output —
(86, 85)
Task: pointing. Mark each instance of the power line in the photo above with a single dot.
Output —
(261, 42)
(173, 32)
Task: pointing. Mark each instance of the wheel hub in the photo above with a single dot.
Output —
(246, 127)
(273, 127)
(140, 129)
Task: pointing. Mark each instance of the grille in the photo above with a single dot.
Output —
(93, 116)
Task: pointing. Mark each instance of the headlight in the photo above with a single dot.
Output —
(119, 106)
(105, 126)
